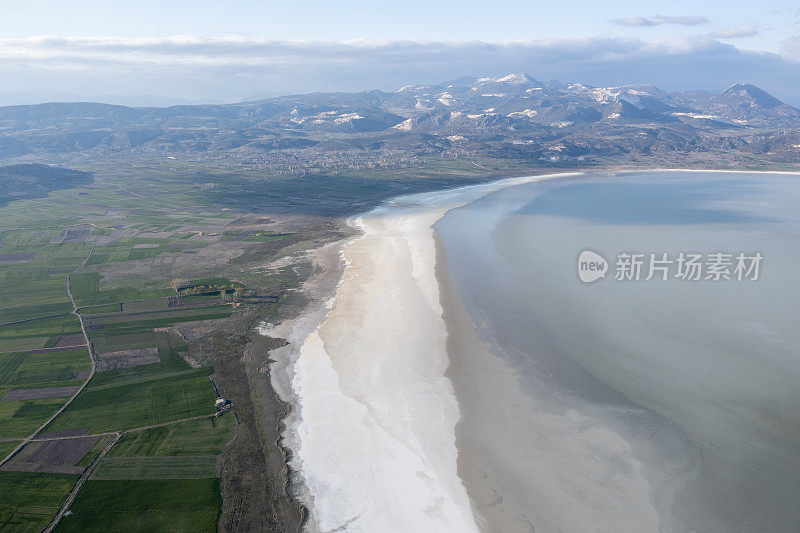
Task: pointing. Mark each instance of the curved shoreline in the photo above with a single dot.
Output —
(606, 369)
(316, 488)
(319, 362)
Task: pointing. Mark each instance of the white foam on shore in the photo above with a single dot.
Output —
(375, 441)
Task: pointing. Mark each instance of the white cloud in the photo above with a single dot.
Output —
(230, 68)
(747, 30)
(791, 50)
(635, 21)
(657, 20)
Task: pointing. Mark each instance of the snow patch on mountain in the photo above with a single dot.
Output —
(446, 99)
(530, 113)
(346, 117)
(404, 126)
(696, 115)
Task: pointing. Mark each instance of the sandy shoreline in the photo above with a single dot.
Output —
(375, 408)
(373, 429)
(318, 290)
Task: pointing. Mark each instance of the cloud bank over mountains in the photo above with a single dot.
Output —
(236, 67)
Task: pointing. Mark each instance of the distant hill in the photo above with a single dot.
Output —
(515, 115)
(748, 102)
(747, 95)
(28, 180)
(11, 98)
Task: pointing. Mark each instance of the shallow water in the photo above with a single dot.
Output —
(630, 399)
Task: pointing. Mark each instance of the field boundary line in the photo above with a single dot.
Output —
(89, 348)
(36, 318)
(130, 430)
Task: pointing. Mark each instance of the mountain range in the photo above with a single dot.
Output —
(511, 116)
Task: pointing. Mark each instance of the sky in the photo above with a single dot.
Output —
(178, 51)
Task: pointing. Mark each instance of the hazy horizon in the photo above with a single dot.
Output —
(151, 100)
(200, 53)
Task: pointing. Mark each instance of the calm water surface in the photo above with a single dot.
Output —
(702, 378)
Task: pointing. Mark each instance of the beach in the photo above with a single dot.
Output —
(445, 378)
(365, 368)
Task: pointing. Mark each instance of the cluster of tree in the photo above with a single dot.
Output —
(228, 292)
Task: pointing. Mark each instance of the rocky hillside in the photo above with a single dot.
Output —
(513, 116)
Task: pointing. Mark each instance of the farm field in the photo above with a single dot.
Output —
(35, 334)
(142, 378)
(168, 280)
(161, 467)
(50, 369)
(134, 280)
(138, 402)
(7, 446)
(197, 437)
(58, 456)
(19, 418)
(145, 505)
(29, 500)
(34, 385)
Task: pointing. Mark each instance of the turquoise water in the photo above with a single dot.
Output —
(702, 378)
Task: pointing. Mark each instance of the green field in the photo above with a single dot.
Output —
(29, 500)
(9, 362)
(16, 314)
(111, 343)
(36, 288)
(161, 467)
(86, 291)
(143, 322)
(146, 305)
(22, 370)
(48, 369)
(196, 437)
(35, 334)
(164, 256)
(19, 418)
(6, 447)
(127, 250)
(145, 505)
(170, 351)
(141, 443)
(139, 402)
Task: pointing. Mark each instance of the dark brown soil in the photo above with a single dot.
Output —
(18, 257)
(53, 350)
(40, 467)
(60, 452)
(63, 433)
(126, 359)
(71, 341)
(52, 456)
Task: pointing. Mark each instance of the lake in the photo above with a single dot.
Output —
(628, 404)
